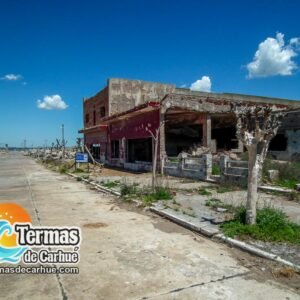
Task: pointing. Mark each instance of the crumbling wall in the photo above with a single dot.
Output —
(95, 103)
(292, 152)
(195, 168)
(293, 144)
(125, 94)
(97, 137)
(233, 171)
(291, 129)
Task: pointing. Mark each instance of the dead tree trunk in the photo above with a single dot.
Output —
(154, 182)
(262, 158)
(256, 126)
(155, 139)
(253, 167)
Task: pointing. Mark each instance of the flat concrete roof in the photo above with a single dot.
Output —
(238, 97)
(216, 96)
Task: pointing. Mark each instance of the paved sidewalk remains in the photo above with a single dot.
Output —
(125, 254)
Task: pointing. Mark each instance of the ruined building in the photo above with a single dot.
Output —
(118, 119)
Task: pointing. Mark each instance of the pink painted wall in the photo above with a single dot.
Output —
(135, 128)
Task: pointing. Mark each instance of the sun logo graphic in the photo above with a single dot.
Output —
(11, 214)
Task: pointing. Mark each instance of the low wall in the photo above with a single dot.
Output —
(234, 171)
(194, 168)
(138, 166)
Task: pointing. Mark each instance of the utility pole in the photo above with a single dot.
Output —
(24, 144)
(63, 140)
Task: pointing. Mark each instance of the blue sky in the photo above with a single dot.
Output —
(70, 48)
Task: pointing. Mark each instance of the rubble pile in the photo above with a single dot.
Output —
(230, 154)
(51, 154)
(197, 150)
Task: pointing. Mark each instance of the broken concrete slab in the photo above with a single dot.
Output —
(206, 228)
(266, 188)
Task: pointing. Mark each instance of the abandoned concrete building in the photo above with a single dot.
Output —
(118, 121)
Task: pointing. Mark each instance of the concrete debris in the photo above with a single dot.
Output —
(273, 175)
(198, 150)
(46, 154)
(183, 155)
(230, 154)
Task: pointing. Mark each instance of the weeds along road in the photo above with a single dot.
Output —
(125, 253)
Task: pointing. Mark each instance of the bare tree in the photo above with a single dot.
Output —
(155, 139)
(78, 144)
(58, 146)
(52, 146)
(256, 126)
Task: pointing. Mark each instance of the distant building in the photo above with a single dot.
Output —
(118, 119)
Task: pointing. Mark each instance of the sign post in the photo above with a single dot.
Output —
(81, 157)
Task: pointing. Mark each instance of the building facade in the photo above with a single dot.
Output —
(119, 120)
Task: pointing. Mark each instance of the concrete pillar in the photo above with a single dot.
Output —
(207, 130)
(223, 163)
(162, 134)
(207, 165)
(123, 150)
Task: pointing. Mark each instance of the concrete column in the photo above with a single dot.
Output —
(162, 134)
(207, 165)
(207, 130)
(123, 150)
(223, 162)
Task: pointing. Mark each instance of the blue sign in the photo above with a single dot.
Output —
(81, 157)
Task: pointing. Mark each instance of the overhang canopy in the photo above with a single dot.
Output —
(146, 107)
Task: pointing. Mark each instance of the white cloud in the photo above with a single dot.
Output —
(202, 85)
(274, 57)
(11, 77)
(295, 41)
(51, 103)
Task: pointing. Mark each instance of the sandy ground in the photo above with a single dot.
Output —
(132, 254)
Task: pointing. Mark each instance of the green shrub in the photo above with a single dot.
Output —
(62, 169)
(240, 214)
(204, 192)
(271, 225)
(128, 189)
(216, 170)
(289, 173)
(225, 188)
(215, 203)
(288, 183)
(111, 184)
(160, 193)
(174, 159)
